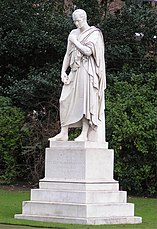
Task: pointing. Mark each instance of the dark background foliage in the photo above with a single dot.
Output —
(131, 131)
(11, 134)
(32, 46)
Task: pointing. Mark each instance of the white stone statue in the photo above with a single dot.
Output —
(82, 97)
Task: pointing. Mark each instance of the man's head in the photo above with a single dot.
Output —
(79, 17)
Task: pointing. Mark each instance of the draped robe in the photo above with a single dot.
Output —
(83, 96)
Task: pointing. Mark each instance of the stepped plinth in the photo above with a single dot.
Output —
(79, 188)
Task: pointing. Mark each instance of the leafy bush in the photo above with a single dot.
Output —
(97, 11)
(32, 45)
(33, 35)
(41, 127)
(41, 88)
(11, 136)
(123, 47)
(131, 131)
(23, 141)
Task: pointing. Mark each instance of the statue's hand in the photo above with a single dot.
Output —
(72, 38)
(65, 78)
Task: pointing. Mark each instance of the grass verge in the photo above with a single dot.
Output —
(11, 204)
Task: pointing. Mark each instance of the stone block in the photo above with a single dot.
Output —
(76, 185)
(77, 210)
(79, 188)
(81, 163)
(82, 197)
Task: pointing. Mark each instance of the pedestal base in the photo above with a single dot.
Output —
(89, 221)
(79, 188)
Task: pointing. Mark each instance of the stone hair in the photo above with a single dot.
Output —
(81, 12)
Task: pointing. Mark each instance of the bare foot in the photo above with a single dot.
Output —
(59, 137)
(81, 138)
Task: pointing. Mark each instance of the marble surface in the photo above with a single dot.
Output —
(79, 187)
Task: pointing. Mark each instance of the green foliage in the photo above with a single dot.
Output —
(11, 123)
(96, 12)
(74, 133)
(41, 127)
(131, 130)
(123, 48)
(32, 45)
(41, 88)
(33, 35)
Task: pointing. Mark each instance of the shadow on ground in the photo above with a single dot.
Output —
(4, 226)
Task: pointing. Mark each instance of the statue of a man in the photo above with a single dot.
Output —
(82, 97)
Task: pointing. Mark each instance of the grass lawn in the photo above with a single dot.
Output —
(11, 203)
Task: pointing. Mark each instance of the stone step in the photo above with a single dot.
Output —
(81, 185)
(78, 145)
(90, 220)
(77, 210)
(78, 196)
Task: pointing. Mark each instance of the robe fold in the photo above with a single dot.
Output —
(84, 95)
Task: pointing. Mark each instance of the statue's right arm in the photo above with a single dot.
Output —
(66, 63)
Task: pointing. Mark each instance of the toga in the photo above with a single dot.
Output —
(83, 96)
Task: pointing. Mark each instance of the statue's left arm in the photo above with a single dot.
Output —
(85, 50)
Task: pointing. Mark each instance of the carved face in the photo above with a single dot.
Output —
(79, 21)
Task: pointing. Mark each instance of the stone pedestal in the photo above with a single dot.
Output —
(79, 187)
